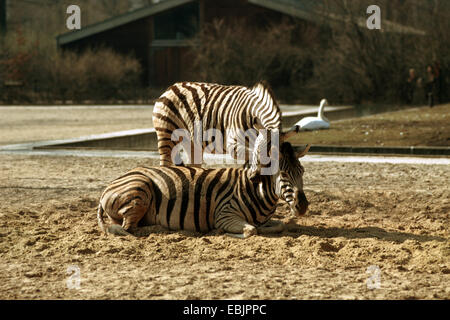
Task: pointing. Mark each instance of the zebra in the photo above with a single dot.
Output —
(200, 199)
(232, 110)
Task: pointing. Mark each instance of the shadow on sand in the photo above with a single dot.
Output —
(358, 233)
(295, 230)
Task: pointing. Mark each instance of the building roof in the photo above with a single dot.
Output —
(313, 10)
(304, 9)
(119, 21)
(309, 10)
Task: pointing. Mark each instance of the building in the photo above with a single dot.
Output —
(161, 34)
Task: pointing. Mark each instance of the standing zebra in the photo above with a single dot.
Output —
(231, 110)
(197, 199)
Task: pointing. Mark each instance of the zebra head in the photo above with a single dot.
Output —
(289, 179)
(284, 168)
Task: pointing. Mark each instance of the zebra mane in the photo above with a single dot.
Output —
(288, 154)
(262, 87)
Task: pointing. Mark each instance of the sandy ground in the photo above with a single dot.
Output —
(366, 222)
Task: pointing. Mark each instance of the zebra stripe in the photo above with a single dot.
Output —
(229, 109)
(197, 199)
(181, 202)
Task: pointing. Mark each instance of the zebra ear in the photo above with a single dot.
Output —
(303, 152)
(291, 132)
(275, 153)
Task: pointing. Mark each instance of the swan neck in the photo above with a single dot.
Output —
(320, 113)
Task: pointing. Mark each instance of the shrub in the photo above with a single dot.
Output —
(237, 54)
(48, 75)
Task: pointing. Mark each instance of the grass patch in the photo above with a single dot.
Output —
(422, 126)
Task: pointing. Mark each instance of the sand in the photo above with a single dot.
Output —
(373, 231)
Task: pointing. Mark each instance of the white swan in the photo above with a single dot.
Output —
(315, 123)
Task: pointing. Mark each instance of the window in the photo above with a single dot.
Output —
(179, 23)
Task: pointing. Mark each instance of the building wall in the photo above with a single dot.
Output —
(169, 65)
(170, 57)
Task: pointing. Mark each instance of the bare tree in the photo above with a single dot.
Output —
(371, 65)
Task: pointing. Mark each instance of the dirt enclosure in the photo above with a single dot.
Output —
(373, 231)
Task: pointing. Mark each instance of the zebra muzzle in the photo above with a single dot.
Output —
(301, 205)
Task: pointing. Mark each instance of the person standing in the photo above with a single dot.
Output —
(438, 81)
(410, 86)
(430, 84)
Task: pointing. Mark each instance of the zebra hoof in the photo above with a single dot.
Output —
(118, 230)
(249, 231)
(235, 235)
(271, 226)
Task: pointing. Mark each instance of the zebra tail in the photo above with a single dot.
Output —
(100, 220)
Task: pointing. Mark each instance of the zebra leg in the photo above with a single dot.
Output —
(271, 226)
(131, 213)
(118, 230)
(114, 228)
(236, 152)
(196, 155)
(235, 226)
(165, 146)
(255, 164)
(243, 232)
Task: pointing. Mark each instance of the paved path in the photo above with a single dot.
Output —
(214, 159)
(284, 107)
(28, 124)
(23, 124)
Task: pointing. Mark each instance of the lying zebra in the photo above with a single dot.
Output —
(198, 199)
